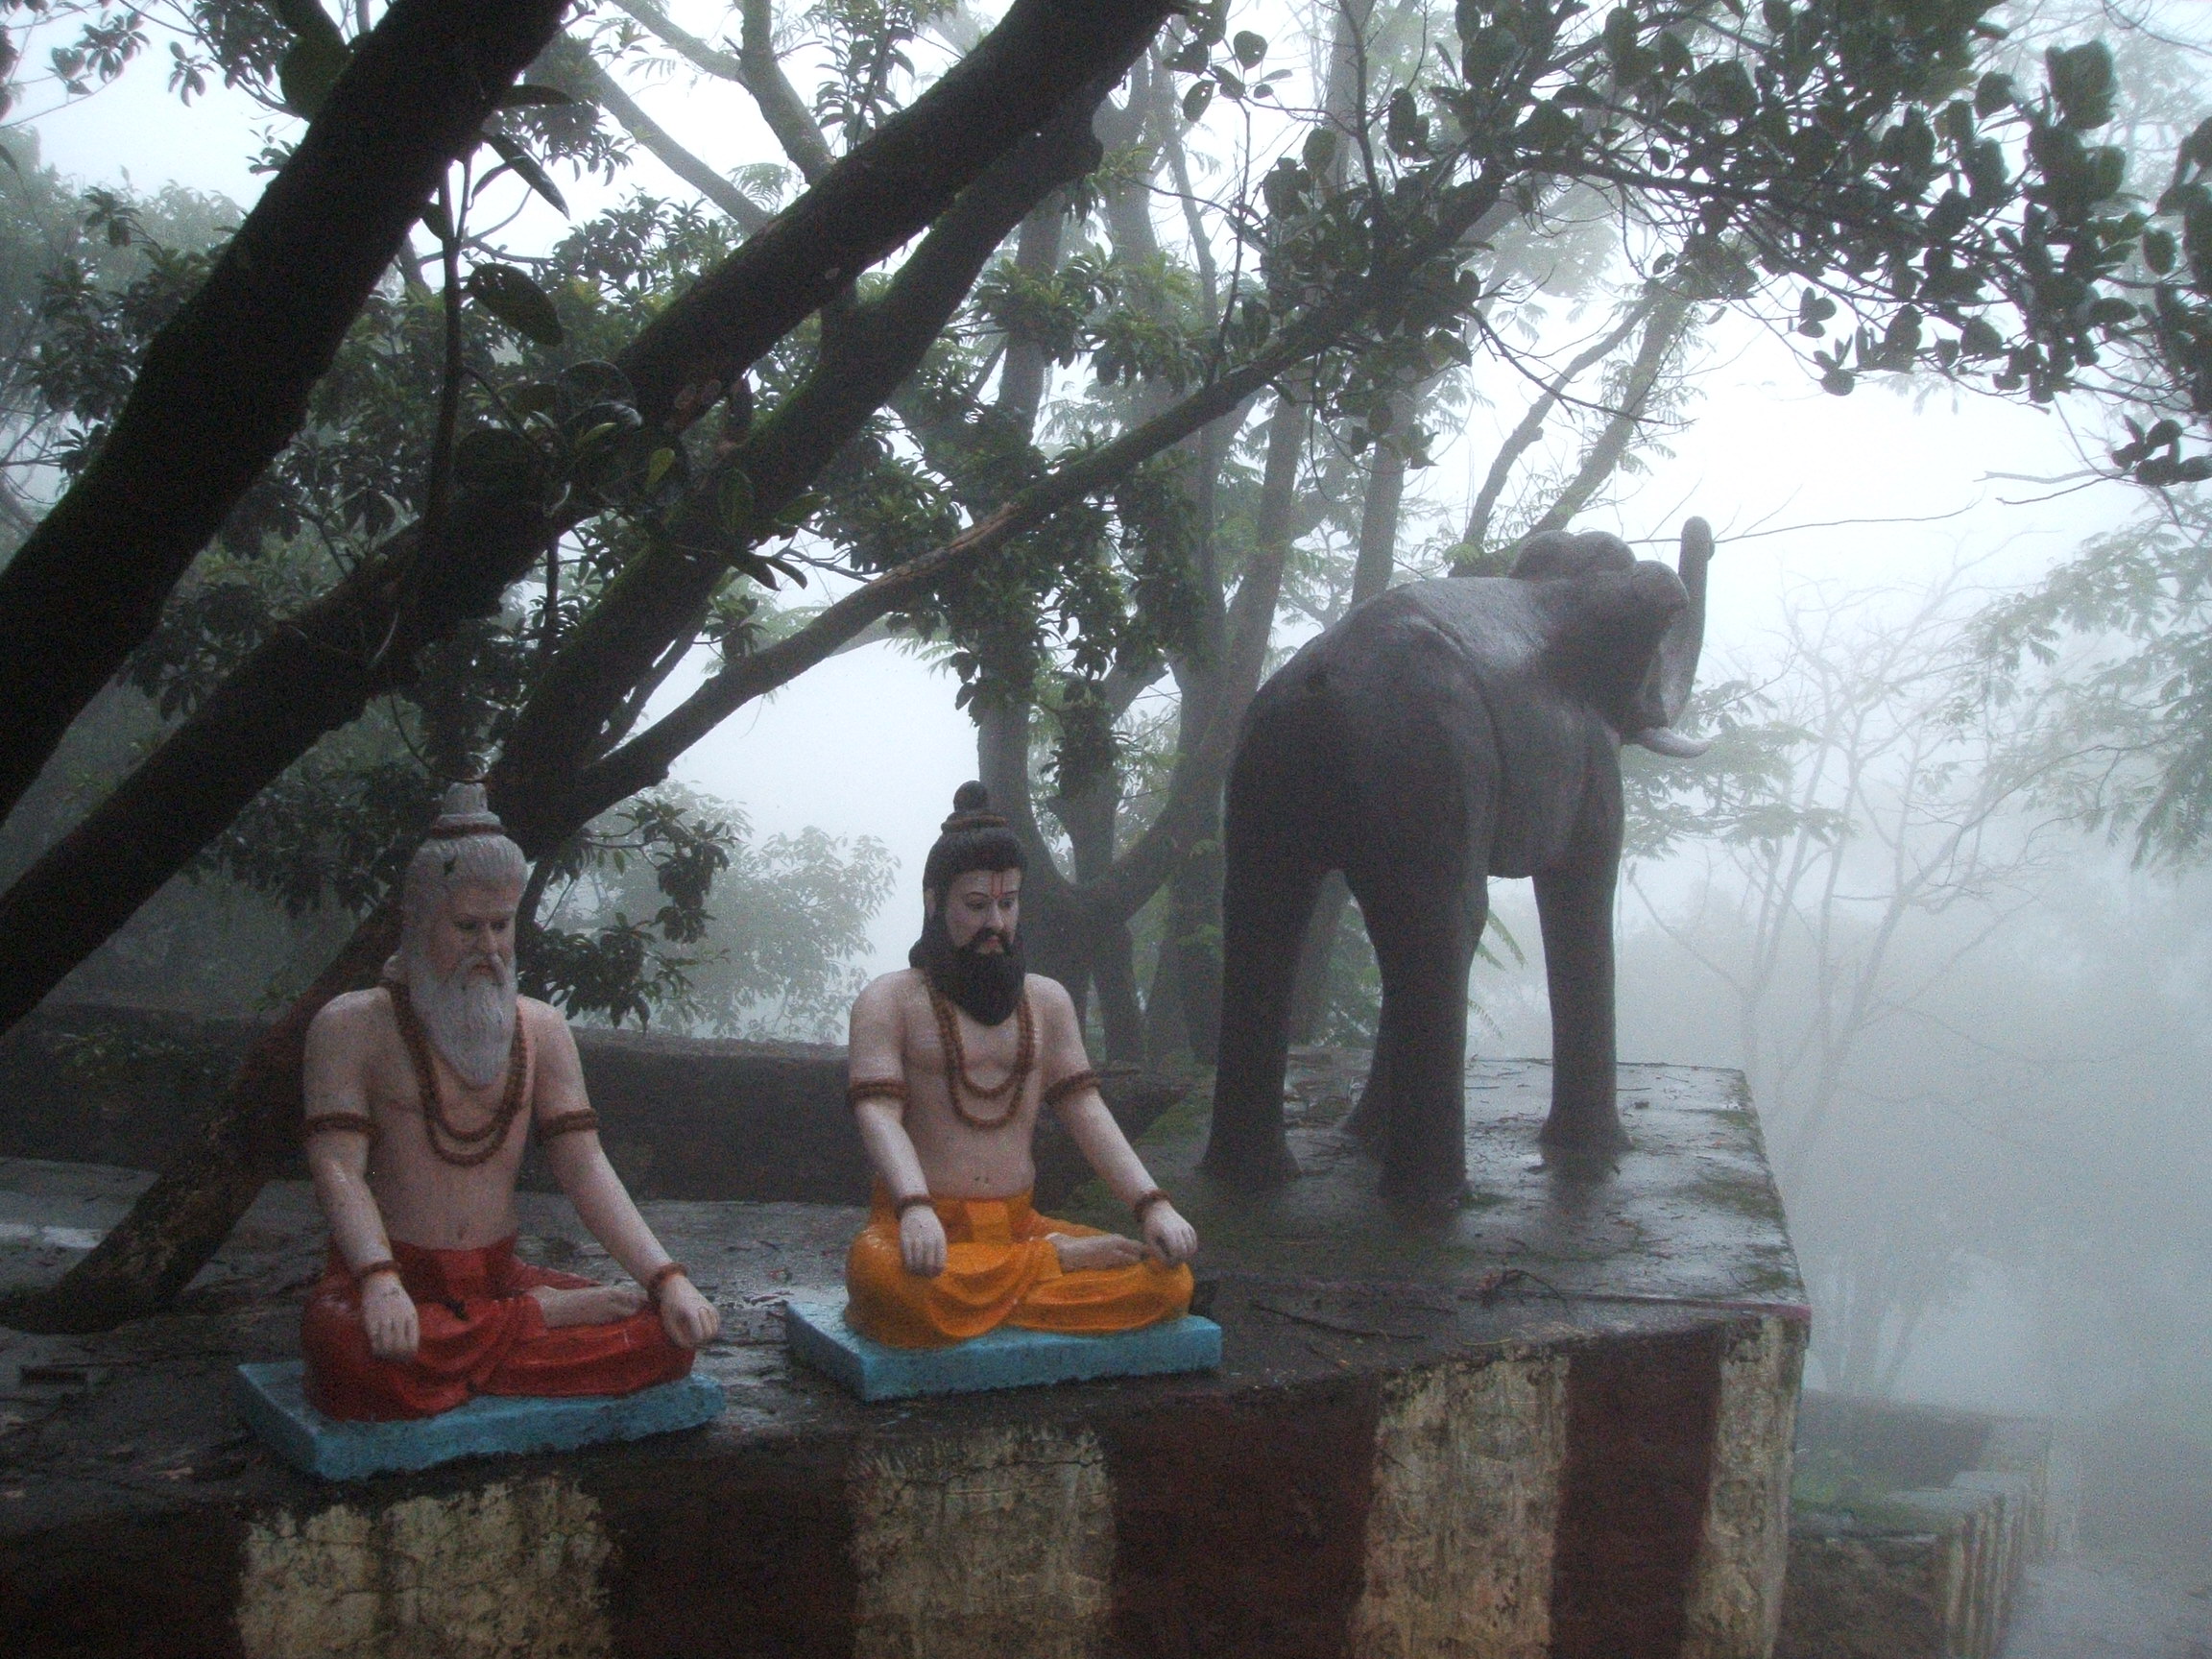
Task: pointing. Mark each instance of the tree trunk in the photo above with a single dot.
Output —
(144, 1263)
(226, 382)
(315, 675)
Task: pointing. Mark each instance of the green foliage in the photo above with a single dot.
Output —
(630, 931)
(1740, 792)
(2108, 664)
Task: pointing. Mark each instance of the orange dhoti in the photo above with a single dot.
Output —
(999, 1269)
(482, 1332)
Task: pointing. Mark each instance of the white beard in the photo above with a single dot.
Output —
(469, 1018)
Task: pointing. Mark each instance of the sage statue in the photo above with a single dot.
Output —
(1442, 733)
(421, 1095)
(952, 1061)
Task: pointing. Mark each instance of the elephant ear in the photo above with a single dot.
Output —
(1665, 694)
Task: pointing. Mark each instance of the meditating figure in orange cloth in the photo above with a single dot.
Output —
(420, 1097)
(952, 1061)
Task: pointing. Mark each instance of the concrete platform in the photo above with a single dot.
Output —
(818, 1336)
(272, 1399)
(1559, 1425)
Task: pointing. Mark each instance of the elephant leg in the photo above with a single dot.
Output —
(1575, 905)
(1266, 902)
(1373, 1112)
(1425, 932)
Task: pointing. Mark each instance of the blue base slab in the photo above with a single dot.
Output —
(273, 1400)
(1002, 1358)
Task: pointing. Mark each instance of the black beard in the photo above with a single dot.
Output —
(987, 985)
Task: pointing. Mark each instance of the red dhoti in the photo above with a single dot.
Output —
(482, 1332)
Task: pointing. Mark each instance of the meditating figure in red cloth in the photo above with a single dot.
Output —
(952, 1061)
(420, 1097)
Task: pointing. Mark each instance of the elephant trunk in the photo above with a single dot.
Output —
(1666, 691)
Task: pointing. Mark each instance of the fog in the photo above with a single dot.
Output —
(1980, 1062)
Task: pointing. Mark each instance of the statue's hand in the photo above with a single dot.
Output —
(690, 1320)
(922, 1242)
(1172, 1237)
(388, 1316)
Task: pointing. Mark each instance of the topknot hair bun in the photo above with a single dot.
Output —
(971, 810)
(464, 813)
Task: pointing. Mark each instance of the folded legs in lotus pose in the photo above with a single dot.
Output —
(420, 1097)
(952, 1061)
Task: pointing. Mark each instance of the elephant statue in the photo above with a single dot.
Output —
(1441, 733)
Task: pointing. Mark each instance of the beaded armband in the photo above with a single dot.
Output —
(1068, 1086)
(912, 1201)
(875, 1088)
(363, 1274)
(658, 1282)
(1144, 1202)
(339, 1123)
(569, 1123)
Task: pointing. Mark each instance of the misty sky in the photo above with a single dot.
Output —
(1809, 494)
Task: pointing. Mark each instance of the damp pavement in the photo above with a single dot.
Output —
(2139, 1586)
(2086, 1606)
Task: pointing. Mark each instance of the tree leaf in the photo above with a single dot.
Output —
(310, 67)
(1195, 100)
(526, 166)
(517, 302)
(733, 501)
(1249, 47)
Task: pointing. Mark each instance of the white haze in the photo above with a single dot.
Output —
(2040, 1106)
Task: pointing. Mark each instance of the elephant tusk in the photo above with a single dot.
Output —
(1666, 740)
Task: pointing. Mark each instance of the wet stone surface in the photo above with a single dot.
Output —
(1688, 1212)
(1317, 1282)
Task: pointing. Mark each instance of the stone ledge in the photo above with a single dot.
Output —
(682, 1117)
(1407, 1450)
(1925, 1558)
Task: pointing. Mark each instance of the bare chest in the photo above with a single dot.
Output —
(984, 1072)
(440, 1121)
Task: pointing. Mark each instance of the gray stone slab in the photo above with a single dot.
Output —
(1687, 1214)
(272, 1398)
(1006, 1357)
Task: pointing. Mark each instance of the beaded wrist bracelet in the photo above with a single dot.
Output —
(1144, 1202)
(912, 1201)
(363, 1274)
(658, 1282)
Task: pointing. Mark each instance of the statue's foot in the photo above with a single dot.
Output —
(1088, 1255)
(598, 1305)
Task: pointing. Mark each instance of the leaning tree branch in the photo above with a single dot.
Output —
(319, 670)
(226, 382)
(607, 92)
(893, 184)
(1531, 426)
(1663, 332)
(782, 108)
(876, 348)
